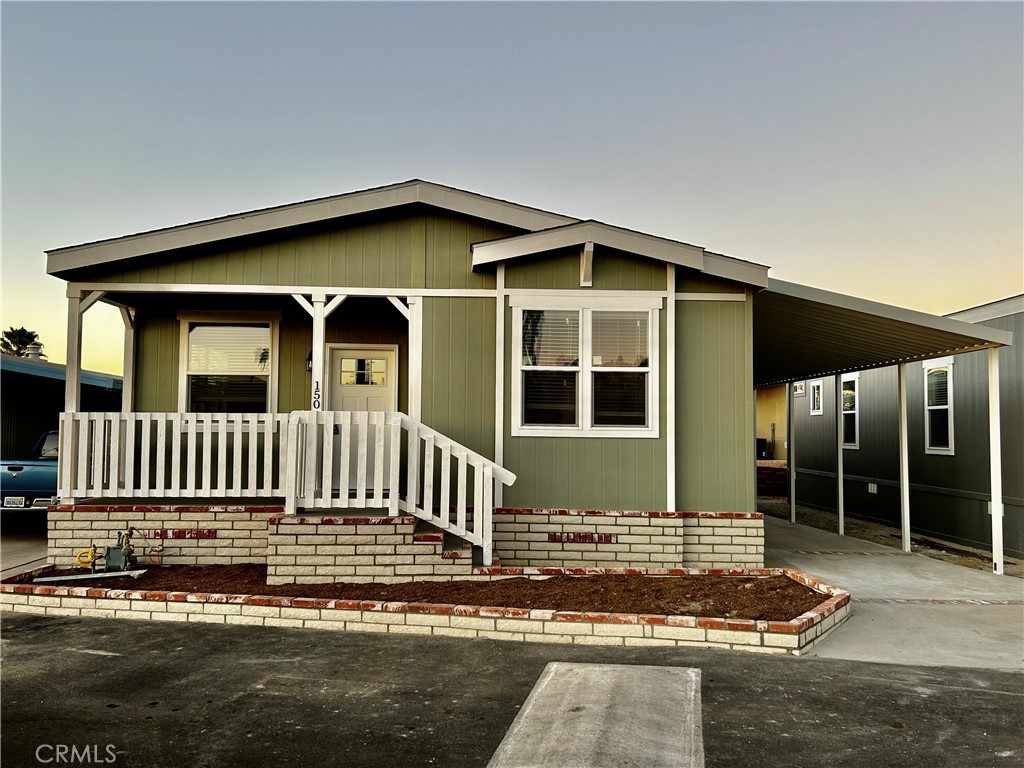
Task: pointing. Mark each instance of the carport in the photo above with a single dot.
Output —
(803, 333)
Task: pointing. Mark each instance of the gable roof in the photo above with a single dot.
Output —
(599, 233)
(296, 214)
(545, 231)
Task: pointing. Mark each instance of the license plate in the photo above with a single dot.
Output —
(14, 501)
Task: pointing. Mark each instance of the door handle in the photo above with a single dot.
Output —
(15, 469)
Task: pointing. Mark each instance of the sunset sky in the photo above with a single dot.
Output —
(869, 148)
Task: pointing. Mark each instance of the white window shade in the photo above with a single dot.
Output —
(218, 348)
(551, 338)
(620, 339)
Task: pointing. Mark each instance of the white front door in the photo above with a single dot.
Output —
(362, 378)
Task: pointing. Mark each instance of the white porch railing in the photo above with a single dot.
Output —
(354, 459)
(313, 459)
(174, 455)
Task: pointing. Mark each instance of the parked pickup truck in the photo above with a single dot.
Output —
(32, 482)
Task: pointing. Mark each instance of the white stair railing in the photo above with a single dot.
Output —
(171, 455)
(353, 459)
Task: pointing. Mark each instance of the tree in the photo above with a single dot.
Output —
(16, 341)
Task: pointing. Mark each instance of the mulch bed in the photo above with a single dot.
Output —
(770, 598)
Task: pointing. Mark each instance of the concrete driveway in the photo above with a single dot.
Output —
(22, 541)
(907, 609)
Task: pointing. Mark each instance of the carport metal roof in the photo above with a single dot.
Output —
(802, 332)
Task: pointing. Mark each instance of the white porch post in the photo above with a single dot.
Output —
(670, 388)
(791, 458)
(316, 397)
(73, 368)
(839, 453)
(995, 458)
(128, 377)
(416, 357)
(901, 372)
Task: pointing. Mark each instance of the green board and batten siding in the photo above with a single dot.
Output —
(714, 410)
(714, 421)
(419, 251)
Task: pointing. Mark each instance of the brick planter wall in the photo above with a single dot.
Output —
(468, 621)
(613, 539)
(240, 531)
(773, 481)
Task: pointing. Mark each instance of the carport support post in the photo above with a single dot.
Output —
(901, 375)
(791, 458)
(995, 454)
(839, 453)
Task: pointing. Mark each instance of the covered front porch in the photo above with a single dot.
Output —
(271, 395)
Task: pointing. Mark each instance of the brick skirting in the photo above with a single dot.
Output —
(369, 547)
(499, 623)
(241, 531)
(627, 539)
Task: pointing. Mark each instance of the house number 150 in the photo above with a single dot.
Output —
(316, 396)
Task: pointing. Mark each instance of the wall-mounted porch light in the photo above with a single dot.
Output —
(309, 361)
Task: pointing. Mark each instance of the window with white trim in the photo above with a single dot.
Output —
(583, 371)
(938, 406)
(228, 366)
(851, 411)
(816, 402)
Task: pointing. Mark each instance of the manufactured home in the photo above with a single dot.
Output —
(416, 381)
(949, 434)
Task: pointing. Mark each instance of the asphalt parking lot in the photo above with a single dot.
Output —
(203, 695)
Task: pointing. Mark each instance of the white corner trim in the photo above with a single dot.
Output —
(670, 389)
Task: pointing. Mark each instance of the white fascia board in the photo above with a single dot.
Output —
(653, 247)
(992, 311)
(898, 314)
(297, 214)
(746, 272)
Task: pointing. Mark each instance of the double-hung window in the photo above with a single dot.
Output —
(851, 413)
(228, 364)
(938, 406)
(584, 371)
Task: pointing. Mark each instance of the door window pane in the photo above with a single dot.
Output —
(364, 371)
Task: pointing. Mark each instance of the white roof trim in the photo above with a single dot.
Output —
(662, 249)
(1014, 305)
(296, 214)
(890, 312)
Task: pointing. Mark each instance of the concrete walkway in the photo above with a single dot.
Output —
(907, 609)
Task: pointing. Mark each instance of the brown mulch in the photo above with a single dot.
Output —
(772, 598)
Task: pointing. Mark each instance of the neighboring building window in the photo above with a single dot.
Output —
(851, 413)
(817, 407)
(585, 372)
(938, 406)
(229, 365)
